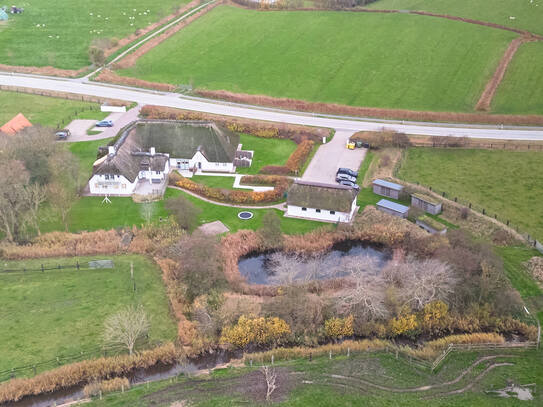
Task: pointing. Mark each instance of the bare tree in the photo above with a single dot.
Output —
(184, 212)
(147, 211)
(126, 327)
(286, 269)
(365, 295)
(270, 375)
(13, 198)
(420, 282)
(36, 196)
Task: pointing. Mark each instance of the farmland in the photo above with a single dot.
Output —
(526, 15)
(503, 182)
(61, 312)
(522, 88)
(303, 383)
(59, 33)
(44, 110)
(430, 64)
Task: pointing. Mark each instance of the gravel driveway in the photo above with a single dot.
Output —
(331, 156)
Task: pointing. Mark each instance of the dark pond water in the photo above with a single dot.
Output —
(276, 268)
(154, 373)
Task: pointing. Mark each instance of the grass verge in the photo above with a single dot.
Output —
(60, 313)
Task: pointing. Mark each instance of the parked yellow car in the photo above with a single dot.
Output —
(351, 145)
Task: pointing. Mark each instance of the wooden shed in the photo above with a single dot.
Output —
(427, 203)
(386, 188)
(393, 208)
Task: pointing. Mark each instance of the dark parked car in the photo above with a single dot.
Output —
(340, 176)
(63, 134)
(348, 171)
(104, 123)
(349, 184)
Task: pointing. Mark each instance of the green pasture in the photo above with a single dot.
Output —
(506, 183)
(521, 90)
(347, 382)
(360, 59)
(58, 33)
(61, 312)
(527, 15)
(44, 110)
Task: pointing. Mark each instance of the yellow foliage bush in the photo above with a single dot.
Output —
(403, 324)
(258, 331)
(339, 327)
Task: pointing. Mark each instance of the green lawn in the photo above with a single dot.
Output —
(528, 15)
(267, 151)
(60, 313)
(66, 29)
(361, 59)
(340, 382)
(213, 181)
(89, 213)
(44, 110)
(506, 183)
(522, 88)
(86, 152)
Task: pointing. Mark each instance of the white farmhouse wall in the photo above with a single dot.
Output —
(323, 215)
(205, 165)
(119, 185)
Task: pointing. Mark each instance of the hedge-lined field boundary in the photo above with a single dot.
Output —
(359, 111)
(258, 128)
(131, 58)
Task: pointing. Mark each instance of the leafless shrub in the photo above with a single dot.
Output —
(126, 327)
(366, 296)
(420, 282)
(270, 375)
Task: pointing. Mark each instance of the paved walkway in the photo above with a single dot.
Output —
(331, 156)
(119, 121)
(280, 206)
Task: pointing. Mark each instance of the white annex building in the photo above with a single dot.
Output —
(146, 151)
(324, 202)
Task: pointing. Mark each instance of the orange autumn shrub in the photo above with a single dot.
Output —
(280, 184)
(298, 158)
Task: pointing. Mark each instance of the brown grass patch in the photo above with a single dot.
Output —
(87, 371)
(45, 70)
(106, 75)
(143, 31)
(399, 114)
(490, 89)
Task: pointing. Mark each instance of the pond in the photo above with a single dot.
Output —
(279, 268)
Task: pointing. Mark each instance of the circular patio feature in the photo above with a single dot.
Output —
(245, 215)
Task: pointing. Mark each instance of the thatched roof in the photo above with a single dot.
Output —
(330, 197)
(122, 162)
(184, 139)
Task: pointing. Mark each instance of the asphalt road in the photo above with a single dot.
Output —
(143, 97)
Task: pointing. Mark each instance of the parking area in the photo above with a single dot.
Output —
(331, 156)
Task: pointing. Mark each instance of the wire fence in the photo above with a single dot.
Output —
(91, 265)
(529, 238)
(33, 369)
